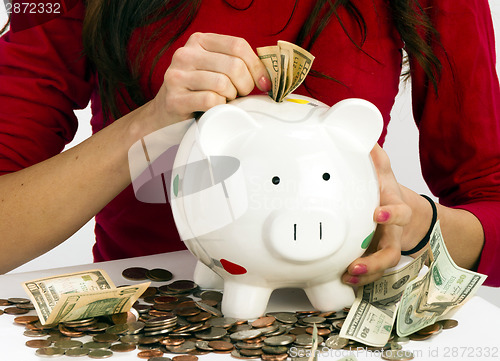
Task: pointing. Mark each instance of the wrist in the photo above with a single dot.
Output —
(421, 222)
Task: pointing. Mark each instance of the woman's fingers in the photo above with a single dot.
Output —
(238, 48)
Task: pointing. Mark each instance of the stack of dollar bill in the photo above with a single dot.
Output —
(80, 295)
(410, 302)
(288, 65)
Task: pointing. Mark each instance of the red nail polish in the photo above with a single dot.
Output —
(353, 280)
(383, 216)
(359, 269)
(264, 84)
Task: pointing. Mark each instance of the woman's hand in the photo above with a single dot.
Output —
(208, 70)
(392, 216)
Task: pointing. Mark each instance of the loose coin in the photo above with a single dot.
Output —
(77, 352)
(447, 324)
(99, 354)
(15, 311)
(211, 295)
(35, 333)
(185, 358)
(38, 343)
(282, 340)
(286, 317)
(221, 345)
(211, 334)
(159, 275)
(24, 320)
(245, 335)
(67, 344)
(159, 358)
(92, 345)
(205, 307)
(4, 302)
(271, 357)
(237, 354)
(122, 347)
(146, 354)
(49, 352)
(397, 355)
(263, 321)
(250, 352)
(336, 342)
(135, 273)
(17, 300)
(431, 329)
(275, 350)
(105, 337)
(313, 319)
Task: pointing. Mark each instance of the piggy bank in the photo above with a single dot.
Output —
(270, 195)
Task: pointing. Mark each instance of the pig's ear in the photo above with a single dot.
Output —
(222, 124)
(355, 120)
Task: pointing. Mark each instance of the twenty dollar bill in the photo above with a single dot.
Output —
(80, 295)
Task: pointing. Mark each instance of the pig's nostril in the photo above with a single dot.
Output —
(295, 231)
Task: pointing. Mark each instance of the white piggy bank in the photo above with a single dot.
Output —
(271, 195)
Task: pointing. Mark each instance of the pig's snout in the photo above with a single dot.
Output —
(304, 236)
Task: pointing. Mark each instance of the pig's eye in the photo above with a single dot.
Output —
(326, 176)
(275, 180)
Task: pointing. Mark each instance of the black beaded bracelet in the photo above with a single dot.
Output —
(427, 237)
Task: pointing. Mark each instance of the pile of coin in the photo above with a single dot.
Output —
(180, 319)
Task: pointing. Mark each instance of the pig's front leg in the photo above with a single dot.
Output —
(206, 278)
(330, 296)
(244, 301)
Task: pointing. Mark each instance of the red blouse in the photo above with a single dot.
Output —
(43, 78)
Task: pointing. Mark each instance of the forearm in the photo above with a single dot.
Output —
(462, 231)
(42, 205)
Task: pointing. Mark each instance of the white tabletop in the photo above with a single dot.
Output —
(476, 337)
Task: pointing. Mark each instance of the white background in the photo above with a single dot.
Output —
(401, 145)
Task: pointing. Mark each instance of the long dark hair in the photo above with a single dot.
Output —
(108, 26)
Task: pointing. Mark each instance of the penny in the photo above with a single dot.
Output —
(26, 306)
(77, 352)
(431, 329)
(221, 345)
(419, 337)
(38, 343)
(397, 355)
(249, 346)
(122, 347)
(322, 331)
(99, 354)
(1, 312)
(149, 292)
(187, 312)
(23, 320)
(200, 317)
(447, 324)
(211, 303)
(135, 273)
(159, 275)
(182, 286)
(271, 357)
(172, 341)
(15, 311)
(263, 321)
(185, 358)
(146, 354)
(4, 302)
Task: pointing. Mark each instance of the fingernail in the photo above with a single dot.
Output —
(353, 280)
(264, 84)
(383, 216)
(359, 269)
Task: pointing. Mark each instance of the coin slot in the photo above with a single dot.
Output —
(295, 231)
(320, 231)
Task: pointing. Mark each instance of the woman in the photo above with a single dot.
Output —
(146, 68)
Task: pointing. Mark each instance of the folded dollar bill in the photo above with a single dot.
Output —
(408, 302)
(288, 65)
(80, 295)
